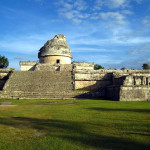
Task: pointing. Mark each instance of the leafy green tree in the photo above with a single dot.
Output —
(97, 66)
(3, 62)
(146, 66)
(123, 68)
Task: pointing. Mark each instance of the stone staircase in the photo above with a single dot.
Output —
(49, 95)
(39, 84)
(37, 95)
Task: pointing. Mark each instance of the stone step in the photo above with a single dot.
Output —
(40, 81)
(38, 95)
(47, 95)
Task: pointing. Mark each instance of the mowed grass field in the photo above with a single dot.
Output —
(74, 125)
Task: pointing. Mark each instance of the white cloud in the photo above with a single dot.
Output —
(127, 12)
(146, 21)
(72, 10)
(98, 5)
(24, 43)
(87, 49)
(76, 16)
(70, 4)
(19, 46)
(114, 15)
(138, 1)
(80, 5)
(77, 21)
(97, 59)
(113, 4)
(117, 17)
(79, 10)
(114, 41)
(137, 62)
(138, 40)
(67, 6)
(140, 50)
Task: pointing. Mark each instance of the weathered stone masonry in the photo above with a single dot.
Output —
(54, 77)
(67, 83)
(131, 87)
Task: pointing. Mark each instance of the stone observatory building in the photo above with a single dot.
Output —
(55, 77)
(54, 55)
(55, 51)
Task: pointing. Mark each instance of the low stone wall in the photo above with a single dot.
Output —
(92, 77)
(53, 67)
(27, 65)
(128, 93)
(91, 85)
(83, 66)
(131, 80)
(138, 93)
(132, 87)
(87, 85)
(92, 80)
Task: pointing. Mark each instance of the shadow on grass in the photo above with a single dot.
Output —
(120, 109)
(130, 133)
(77, 132)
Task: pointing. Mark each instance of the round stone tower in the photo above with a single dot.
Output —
(55, 51)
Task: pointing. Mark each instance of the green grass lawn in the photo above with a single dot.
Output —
(74, 125)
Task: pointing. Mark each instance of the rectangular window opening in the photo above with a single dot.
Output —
(57, 61)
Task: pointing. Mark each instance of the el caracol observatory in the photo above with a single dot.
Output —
(55, 51)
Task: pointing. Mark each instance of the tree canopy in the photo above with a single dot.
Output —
(123, 68)
(97, 66)
(146, 66)
(3, 62)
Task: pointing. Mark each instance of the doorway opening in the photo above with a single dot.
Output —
(58, 61)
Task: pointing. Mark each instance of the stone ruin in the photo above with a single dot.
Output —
(54, 77)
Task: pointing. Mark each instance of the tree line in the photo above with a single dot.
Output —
(3, 62)
(144, 66)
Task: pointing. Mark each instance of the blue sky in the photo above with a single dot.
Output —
(113, 33)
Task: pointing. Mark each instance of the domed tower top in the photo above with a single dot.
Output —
(55, 51)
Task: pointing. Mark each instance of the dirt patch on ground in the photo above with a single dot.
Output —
(8, 105)
(52, 105)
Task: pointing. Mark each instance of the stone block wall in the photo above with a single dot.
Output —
(92, 80)
(27, 65)
(89, 85)
(134, 93)
(141, 80)
(83, 66)
(132, 87)
(128, 93)
(53, 59)
(53, 67)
